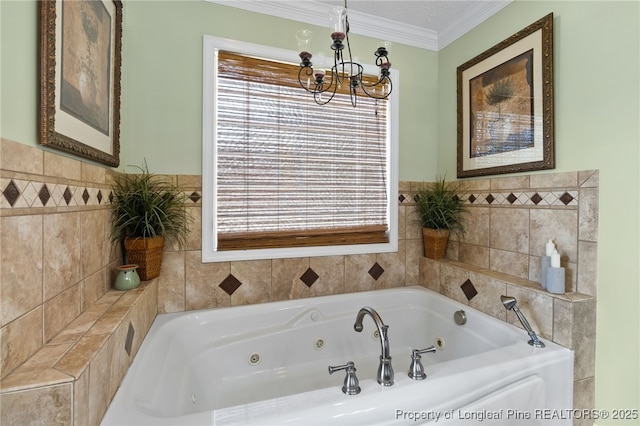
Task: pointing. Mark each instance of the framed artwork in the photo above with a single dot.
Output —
(505, 105)
(80, 58)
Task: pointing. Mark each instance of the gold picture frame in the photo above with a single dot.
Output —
(505, 105)
(80, 61)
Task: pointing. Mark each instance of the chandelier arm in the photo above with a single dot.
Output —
(376, 84)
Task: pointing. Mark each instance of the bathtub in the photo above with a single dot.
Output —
(267, 364)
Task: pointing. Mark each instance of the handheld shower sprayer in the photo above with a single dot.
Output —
(510, 303)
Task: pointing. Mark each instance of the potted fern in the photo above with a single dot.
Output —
(441, 211)
(146, 209)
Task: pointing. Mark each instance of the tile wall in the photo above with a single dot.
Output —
(57, 260)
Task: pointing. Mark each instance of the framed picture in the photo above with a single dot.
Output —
(505, 105)
(80, 58)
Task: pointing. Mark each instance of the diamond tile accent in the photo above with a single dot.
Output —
(11, 193)
(511, 198)
(376, 271)
(469, 289)
(309, 277)
(472, 198)
(401, 198)
(99, 197)
(230, 284)
(129, 341)
(44, 194)
(110, 197)
(85, 196)
(67, 195)
(195, 197)
(490, 198)
(536, 198)
(566, 198)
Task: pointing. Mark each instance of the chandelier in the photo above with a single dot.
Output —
(324, 83)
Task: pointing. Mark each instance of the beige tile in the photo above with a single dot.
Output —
(44, 358)
(451, 278)
(108, 322)
(81, 400)
(330, 270)
(61, 252)
(474, 255)
(402, 222)
(63, 167)
(194, 239)
(20, 339)
(508, 262)
(586, 281)
(584, 395)
(92, 174)
(477, 185)
(414, 251)
(413, 226)
(537, 308)
(563, 325)
(393, 263)
(93, 288)
(202, 289)
(561, 226)
(554, 180)
(589, 179)
(404, 187)
(477, 226)
(20, 266)
(190, 181)
(53, 406)
(430, 274)
(511, 182)
(78, 358)
(584, 338)
(357, 276)
(285, 278)
(171, 283)
(488, 298)
(99, 384)
(119, 358)
(60, 310)
(589, 210)
(21, 158)
(30, 379)
(94, 234)
(255, 276)
(509, 229)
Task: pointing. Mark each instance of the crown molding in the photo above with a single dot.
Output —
(373, 26)
(478, 13)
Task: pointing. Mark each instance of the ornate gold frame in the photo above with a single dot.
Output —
(73, 133)
(499, 129)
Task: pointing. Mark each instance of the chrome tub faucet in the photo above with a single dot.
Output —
(385, 370)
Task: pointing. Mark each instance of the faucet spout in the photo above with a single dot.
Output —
(385, 370)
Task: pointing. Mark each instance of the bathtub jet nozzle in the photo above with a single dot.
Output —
(510, 303)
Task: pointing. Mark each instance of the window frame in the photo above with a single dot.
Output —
(211, 45)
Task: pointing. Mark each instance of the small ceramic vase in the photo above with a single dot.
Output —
(127, 278)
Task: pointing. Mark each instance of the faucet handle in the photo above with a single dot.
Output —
(351, 385)
(416, 370)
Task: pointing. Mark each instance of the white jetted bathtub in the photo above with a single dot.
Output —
(268, 364)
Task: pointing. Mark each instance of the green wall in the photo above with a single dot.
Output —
(596, 114)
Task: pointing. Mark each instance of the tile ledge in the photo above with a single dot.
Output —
(46, 375)
(515, 281)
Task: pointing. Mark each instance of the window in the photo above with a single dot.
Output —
(284, 177)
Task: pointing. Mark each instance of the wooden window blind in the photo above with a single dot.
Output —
(290, 173)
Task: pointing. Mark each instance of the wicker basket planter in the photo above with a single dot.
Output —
(147, 253)
(435, 242)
